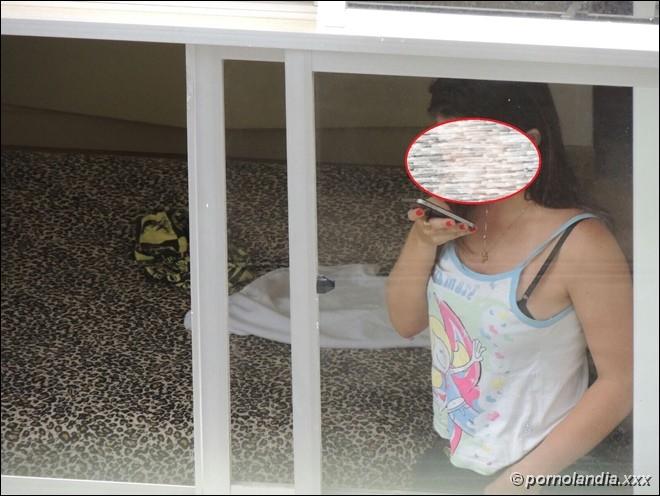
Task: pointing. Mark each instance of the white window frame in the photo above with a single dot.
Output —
(573, 52)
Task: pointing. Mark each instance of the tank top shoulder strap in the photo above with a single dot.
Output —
(536, 251)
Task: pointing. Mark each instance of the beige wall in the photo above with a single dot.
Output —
(143, 82)
(93, 94)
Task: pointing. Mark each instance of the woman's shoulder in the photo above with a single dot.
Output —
(591, 242)
(590, 235)
(558, 218)
(559, 215)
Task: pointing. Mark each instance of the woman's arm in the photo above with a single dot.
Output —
(597, 279)
(406, 285)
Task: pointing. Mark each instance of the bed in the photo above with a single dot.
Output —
(96, 363)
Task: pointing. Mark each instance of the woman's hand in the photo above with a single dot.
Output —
(436, 231)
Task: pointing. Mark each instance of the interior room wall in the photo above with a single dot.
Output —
(122, 96)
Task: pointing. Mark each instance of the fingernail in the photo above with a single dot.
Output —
(473, 229)
(462, 227)
(449, 223)
(419, 212)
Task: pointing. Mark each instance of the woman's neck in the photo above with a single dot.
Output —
(500, 214)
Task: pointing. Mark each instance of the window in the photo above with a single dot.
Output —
(595, 58)
(594, 11)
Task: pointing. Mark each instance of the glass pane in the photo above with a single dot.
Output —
(597, 11)
(260, 351)
(96, 362)
(479, 383)
(375, 386)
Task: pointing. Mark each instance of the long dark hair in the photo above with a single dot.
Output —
(526, 106)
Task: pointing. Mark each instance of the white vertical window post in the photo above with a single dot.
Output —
(303, 267)
(208, 269)
(645, 260)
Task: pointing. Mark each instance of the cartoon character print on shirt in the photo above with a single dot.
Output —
(456, 372)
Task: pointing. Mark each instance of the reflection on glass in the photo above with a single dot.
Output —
(499, 316)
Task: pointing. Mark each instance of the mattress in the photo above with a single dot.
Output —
(96, 364)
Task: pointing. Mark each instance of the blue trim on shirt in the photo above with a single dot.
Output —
(535, 252)
(513, 303)
(514, 275)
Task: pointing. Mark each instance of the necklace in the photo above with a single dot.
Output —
(484, 236)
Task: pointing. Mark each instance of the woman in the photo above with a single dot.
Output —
(513, 305)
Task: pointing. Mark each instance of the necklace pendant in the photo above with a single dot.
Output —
(484, 256)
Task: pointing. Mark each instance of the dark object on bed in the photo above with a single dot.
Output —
(324, 284)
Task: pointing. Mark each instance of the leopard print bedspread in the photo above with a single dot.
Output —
(96, 364)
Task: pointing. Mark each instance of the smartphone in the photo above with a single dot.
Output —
(433, 210)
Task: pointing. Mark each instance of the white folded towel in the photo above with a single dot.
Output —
(352, 315)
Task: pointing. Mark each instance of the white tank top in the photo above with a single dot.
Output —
(501, 380)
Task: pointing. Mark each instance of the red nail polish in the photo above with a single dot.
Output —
(473, 229)
(419, 212)
(462, 227)
(449, 223)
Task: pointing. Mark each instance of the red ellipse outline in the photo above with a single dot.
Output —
(462, 202)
